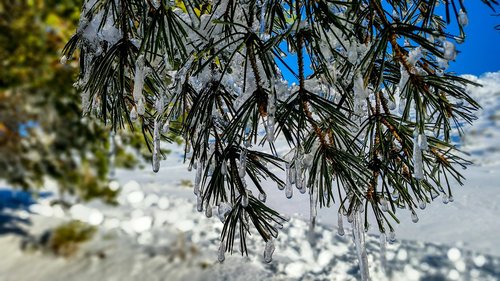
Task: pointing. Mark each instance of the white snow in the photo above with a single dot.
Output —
(463, 20)
(156, 234)
(135, 197)
(454, 254)
(450, 52)
(41, 209)
(114, 185)
(86, 214)
(141, 224)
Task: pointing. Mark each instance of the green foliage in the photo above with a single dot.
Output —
(186, 183)
(65, 240)
(36, 93)
(213, 77)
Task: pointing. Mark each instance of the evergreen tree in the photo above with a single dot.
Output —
(369, 123)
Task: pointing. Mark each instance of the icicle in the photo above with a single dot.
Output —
(262, 196)
(391, 104)
(211, 167)
(360, 94)
(156, 148)
(384, 206)
(402, 106)
(222, 251)
(141, 109)
(383, 260)
(352, 54)
(86, 102)
(64, 59)
(268, 251)
(160, 105)
(415, 55)
(303, 188)
(298, 168)
(395, 194)
(223, 210)
(289, 191)
(133, 114)
(404, 78)
(247, 138)
(422, 142)
(223, 168)
(244, 199)
(414, 217)
(112, 154)
(395, 15)
(313, 211)
(463, 20)
(307, 160)
(271, 104)
(263, 17)
(418, 164)
(359, 240)
(288, 188)
(197, 180)
(208, 212)
(421, 205)
(288, 183)
(340, 221)
(392, 237)
(243, 163)
(442, 63)
(446, 200)
(299, 181)
(156, 3)
(166, 127)
(270, 128)
(138, 78)
(350, 217)
(450, 52)
(292, 175)
(199, 202)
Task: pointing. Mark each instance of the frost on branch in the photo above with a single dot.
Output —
(268, 251)
(335, 101)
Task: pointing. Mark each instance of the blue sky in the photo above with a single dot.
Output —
(481, 50)
(479, 53)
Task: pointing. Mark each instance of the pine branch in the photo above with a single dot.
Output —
(211, 75)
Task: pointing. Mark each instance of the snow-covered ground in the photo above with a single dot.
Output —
(156, 234)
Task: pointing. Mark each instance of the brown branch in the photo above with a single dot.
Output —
(261, 96)
(302, 90)
(400, 55)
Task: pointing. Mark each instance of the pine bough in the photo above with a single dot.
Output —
(369, 127)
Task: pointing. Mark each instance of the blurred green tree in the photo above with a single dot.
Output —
(42, 133)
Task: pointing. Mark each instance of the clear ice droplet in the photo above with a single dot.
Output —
(268, 251)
